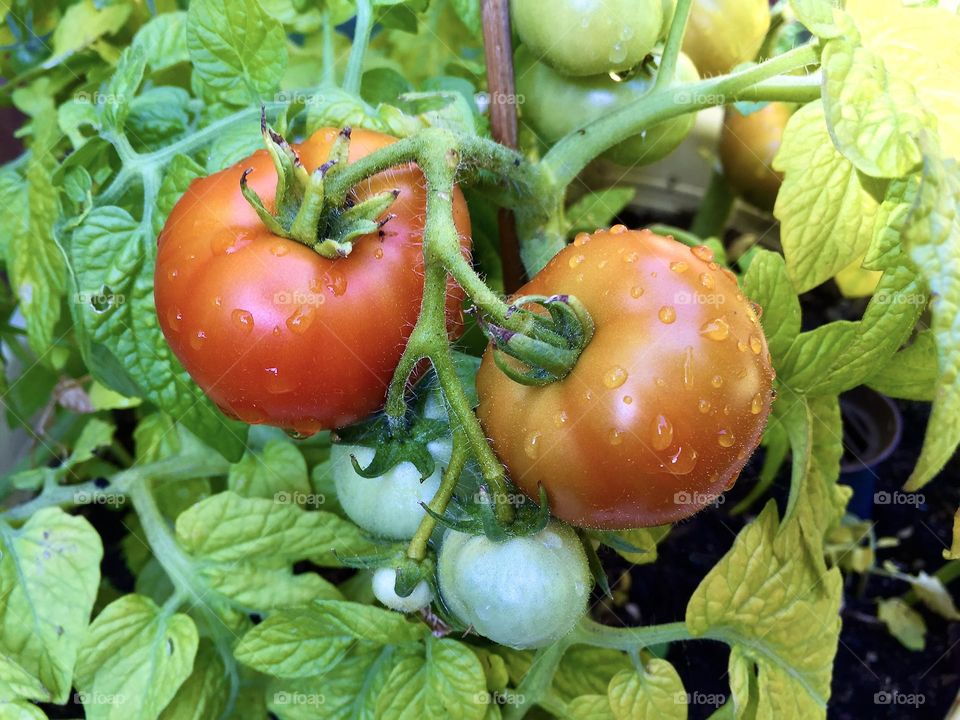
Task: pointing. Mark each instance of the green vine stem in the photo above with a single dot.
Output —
(715, 207)
(671, 49)
(417, 550)
(358, 51)
(535, 686)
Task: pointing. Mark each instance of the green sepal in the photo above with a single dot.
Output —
(593, 562)
(616, 542)
(411, 572)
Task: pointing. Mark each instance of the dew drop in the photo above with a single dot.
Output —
(627, 400)
(300, 321)
(702, 252)
(756, 405)
(560, 418)
(615, 436)
(756, 345)
(741, 373)
(631, 257)
(280, 249)
(222, 244)
(667, 314)
(716, 329)
(618, 53)
(713, 266)
(707, 281)
(679, 266)
(532, 445)
(636, 291)
(618, 229)
(337, 283)
(753, 312)
(716, 381)
(602, 265)
(662, 433)
(576, 260)
(173, 274)
(726, 409)
(728, 273)
(742, 346)
(703, 406)
(196, 342)
(588, 395)
(378, 253)
(243, 320)
(276, 331)
(660, 382)
(615, 377)
(726, 438)
(174, 317)
(277, 382)
(682, 461)
(581, 239)
(218, 301)
(688, 367)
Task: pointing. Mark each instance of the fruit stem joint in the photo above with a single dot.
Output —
(549, 351)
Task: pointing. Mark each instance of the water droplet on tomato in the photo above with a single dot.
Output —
(707, 281)
(636, 291)
(703, 406)
(631, 257)
(280, 248)
(300, 321)
(337, 283)
(243, 320)
(679, 266)
(532, 445)
(576, 260)
(725, 438)
(618, 229)
(278, 382)
(667, 314)
(627, 399)
(660, 382)
(688, 367)
(716, 381)
(581, 239)
(560, 418)
(378, 253)
(742, 346)
(173, 274)
(702, 252)
(728, 273)
(222, 244)
(682, 461)
(716, 329)
(756, 344)
(218, 301)
(197, 340)
(276, 331)
(662, 433)
(618, 53)
(615, 377)
(756, 404)
(174, 318)
(615, 437)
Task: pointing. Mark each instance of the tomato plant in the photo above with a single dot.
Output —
(584, 99)
(275, 332)
(255, 463)
(587, 38)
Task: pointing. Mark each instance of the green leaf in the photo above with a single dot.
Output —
(932, 240)
(885, 249)
(164, 40)
(204, 693)
(181, 171)
(85, 22)
(123, 86)
(236, 142)
(655, 693)
(818, 16)
(874, 117)
(826, 211)
(20, 710)
(231, 528)
(303, 641)
(638, 546)
(278, 468)
(469, 13)
(596, 209)
(910, 374)
(136, 654)
(447, 682)
(590, 707)
(113, 258)
(903, 622)
(585, 670)
(236, 49)
(767, 283)
(14, 214)
(258, 586)
(49, 575)
(35, 259)
(777, 609)
(813, 353)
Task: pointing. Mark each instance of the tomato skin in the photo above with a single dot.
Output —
(721, 34)
(587, 37)
(556, 105)
(525, 592)
(384, 580)
(272, 331)
(662, 409)
(748, 145)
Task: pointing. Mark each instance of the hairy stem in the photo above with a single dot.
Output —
(671, 50)
(417, 549)
(358, 51)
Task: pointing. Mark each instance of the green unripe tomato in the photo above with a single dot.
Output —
(384, 581)
(526, 592)
(587, 37)
(721, 34)
(555, 105)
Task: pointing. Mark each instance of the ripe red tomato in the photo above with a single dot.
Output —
(664, 405)
(272, 331)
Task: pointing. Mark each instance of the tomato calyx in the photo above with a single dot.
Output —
(478, 516)
(301, 208)
(550, 349)
(410, 572)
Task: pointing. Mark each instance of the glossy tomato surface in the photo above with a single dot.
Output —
(748, 144)
(555, 105)
(721, 34)
(272, 331)
(587, 37)
(665, 404)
